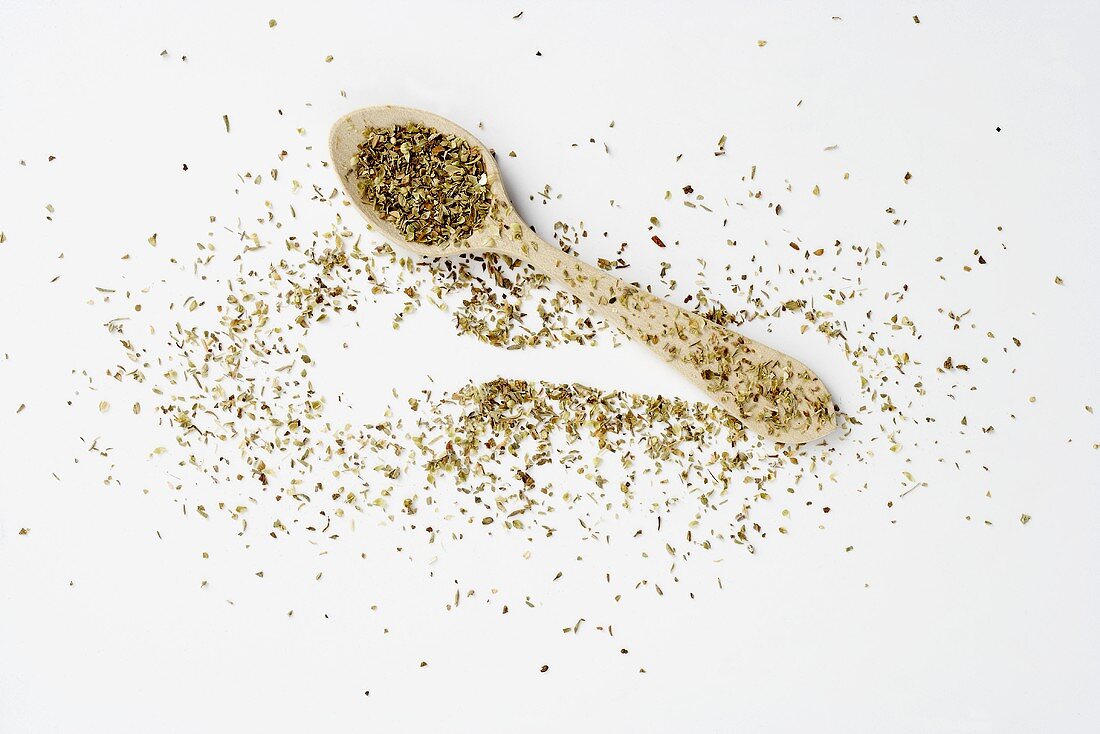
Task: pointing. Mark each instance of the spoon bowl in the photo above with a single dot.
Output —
(344, 142)
(770, 392)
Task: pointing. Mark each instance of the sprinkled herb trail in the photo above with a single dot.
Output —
(231, 374)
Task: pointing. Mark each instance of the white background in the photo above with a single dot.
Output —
(932, 623)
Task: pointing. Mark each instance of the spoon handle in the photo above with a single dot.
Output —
(770, 392)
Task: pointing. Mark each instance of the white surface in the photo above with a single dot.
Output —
(932, 623)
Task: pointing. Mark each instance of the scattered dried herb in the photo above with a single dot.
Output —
(232, 378)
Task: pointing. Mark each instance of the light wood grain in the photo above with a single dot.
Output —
(772, 393)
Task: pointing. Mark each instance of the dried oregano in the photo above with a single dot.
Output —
(431, 185)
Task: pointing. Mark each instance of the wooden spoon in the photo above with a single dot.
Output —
(773, 394)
